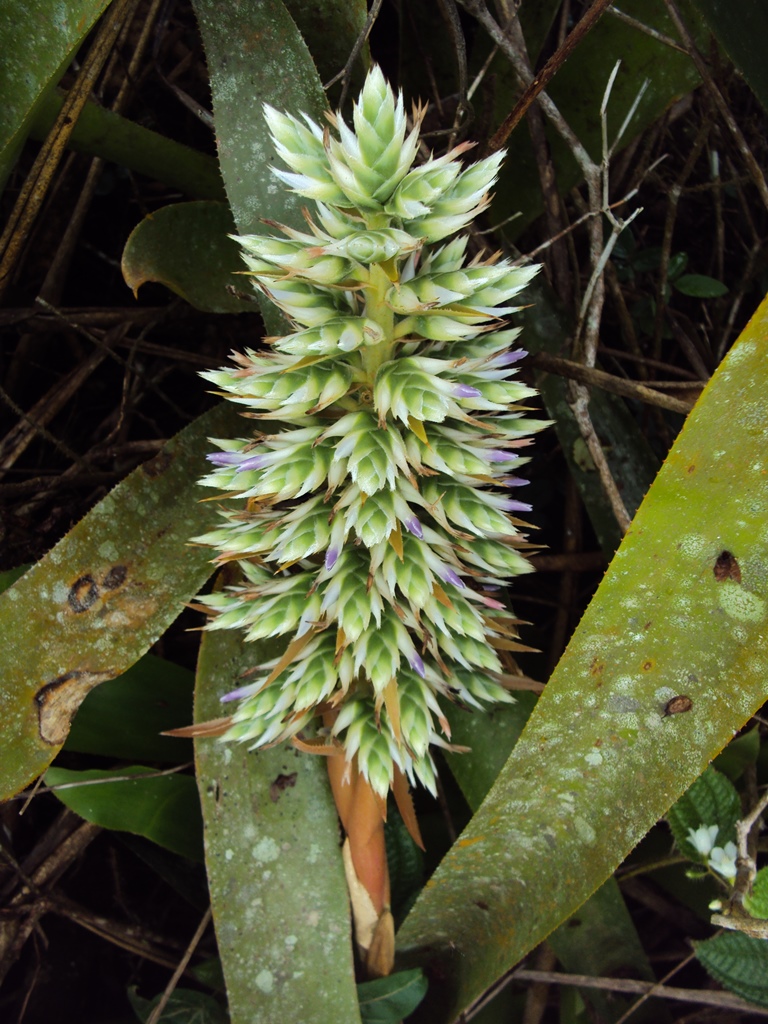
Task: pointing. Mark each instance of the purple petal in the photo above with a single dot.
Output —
(497, 455)
(510, 357)
(513, 481)
(239, 693)
(331, 556)
(414, 526)
(465, 391)
(417, 664)
(447, 575)
(255, 462)
(225, 458)
(510, 505)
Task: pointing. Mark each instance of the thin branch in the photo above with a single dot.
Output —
(543, 77)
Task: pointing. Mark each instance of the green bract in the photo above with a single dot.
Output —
(378, 515)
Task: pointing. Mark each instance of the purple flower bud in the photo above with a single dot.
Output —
(239, 693)
(510, 357)
(255, 462)
(331, 557)
(465, 391)
(447, 575)
(414, 526)
(225, 458)
(513, 481)
(497, 455)
(417, 664)
(510, 505)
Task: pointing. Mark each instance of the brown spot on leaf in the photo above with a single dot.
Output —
(482, 904)
(597, 667)
(648, 665)
(115, 578)
(678, 705)
(83, 593)
(58, 700)
(727, 568)
(281, 783)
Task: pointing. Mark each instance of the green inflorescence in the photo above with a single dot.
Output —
(377, 519)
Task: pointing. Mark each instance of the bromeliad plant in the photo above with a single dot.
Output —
(378, 524)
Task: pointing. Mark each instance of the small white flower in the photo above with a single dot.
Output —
(703, 838)
(723, 861)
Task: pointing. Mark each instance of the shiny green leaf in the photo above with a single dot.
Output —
(600, 760)
(125, 717)
(187, 248)
(388, 1000)
(699, 286)
(38, 42)
(103, 133)
(163, 808)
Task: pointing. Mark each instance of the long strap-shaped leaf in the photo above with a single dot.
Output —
(275, 873)
(101, 597)
(278, 892)
(683, 610)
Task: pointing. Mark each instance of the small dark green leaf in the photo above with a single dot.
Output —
(164, 808)
(677, 264)
(739, 963)
(739, 754)
(9, 577)
(757, 901)
(187, 248)
(388, 1000)
(185, 1006)
(124, 717)
(699, 286)
(711, 800)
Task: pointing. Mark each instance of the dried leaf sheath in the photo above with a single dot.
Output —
(380, 517)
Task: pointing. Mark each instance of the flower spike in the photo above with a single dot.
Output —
(378, 513)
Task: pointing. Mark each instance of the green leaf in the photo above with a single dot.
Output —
(330, 30)
(756, 902)
(185, 1006)
(388, 1000)
(187, 248)
(278, 892)
(38, 44)
(578, 89)
(741, 28)
(164, 808)
(102, 596)
(739, 963)
(274, 66)
(124, 717)
(600, 940)
(103, 133)
(699, 286)
(711, 800)
(739, 754)
(600, 761)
